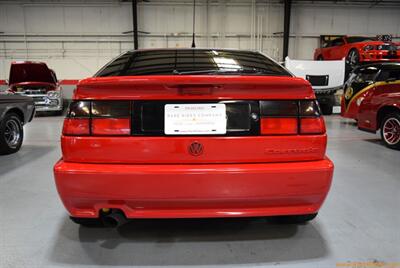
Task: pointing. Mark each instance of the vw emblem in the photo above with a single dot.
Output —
(196, 148)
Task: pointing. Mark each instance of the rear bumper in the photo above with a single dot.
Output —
(194, 190)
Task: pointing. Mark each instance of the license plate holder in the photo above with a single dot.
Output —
(195, 119)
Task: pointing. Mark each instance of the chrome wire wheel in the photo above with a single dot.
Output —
(12, 133)
(391, 131)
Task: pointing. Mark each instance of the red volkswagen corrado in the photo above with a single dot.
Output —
(193, 133)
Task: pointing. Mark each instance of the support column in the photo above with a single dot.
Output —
(135, 25)
(286, 28)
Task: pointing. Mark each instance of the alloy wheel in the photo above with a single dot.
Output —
(391, 131)
(12, 133)
(353, 58)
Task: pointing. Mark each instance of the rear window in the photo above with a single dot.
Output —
(192, 62)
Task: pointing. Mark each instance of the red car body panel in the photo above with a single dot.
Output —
(350, 110)
(159, 150)
(194, 190)
(384, 95)
(341, 51)
(157, 177)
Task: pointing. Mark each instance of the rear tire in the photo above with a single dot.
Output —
(390, 130)
(295, 219)
(88, 222)
(11, 134)
(58, 113)
(327, 109)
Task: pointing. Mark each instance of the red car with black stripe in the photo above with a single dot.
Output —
(358, 49)
(379, 104)
(193, 133)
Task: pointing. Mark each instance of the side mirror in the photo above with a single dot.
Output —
(390, 79)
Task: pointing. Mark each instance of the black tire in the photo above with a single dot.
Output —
(327, 109)
(58, 113)
(390, 130)
(320, 57)
(295, 219)
(11, 134)
(353, 58)
(88, 222)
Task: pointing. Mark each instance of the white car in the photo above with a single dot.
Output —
(326, 77)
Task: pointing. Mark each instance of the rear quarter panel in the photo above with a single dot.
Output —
(368, 112)
(23, 104)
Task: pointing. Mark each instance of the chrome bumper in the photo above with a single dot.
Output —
(45, 104)
(49, 108)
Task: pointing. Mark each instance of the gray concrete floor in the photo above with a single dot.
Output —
(360, 220)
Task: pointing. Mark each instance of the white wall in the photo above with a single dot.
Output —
(76, 38)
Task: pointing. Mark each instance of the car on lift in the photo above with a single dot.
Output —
(193, 133)
(358, 49)
(379, 104)
(15, 112)
(325, 78)
(36, 80)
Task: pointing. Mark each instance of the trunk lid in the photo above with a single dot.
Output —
(146, 98)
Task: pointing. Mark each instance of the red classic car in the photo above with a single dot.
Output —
(193, 133)
(358, 49)
(34, 79)
(379, 104)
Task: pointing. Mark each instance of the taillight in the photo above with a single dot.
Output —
(291, 118)
(78, 119)
(98, 118)
(278, 126)
(111, 126)
(311, 121)
(278, 117)
(312, 125)
(76, 126)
